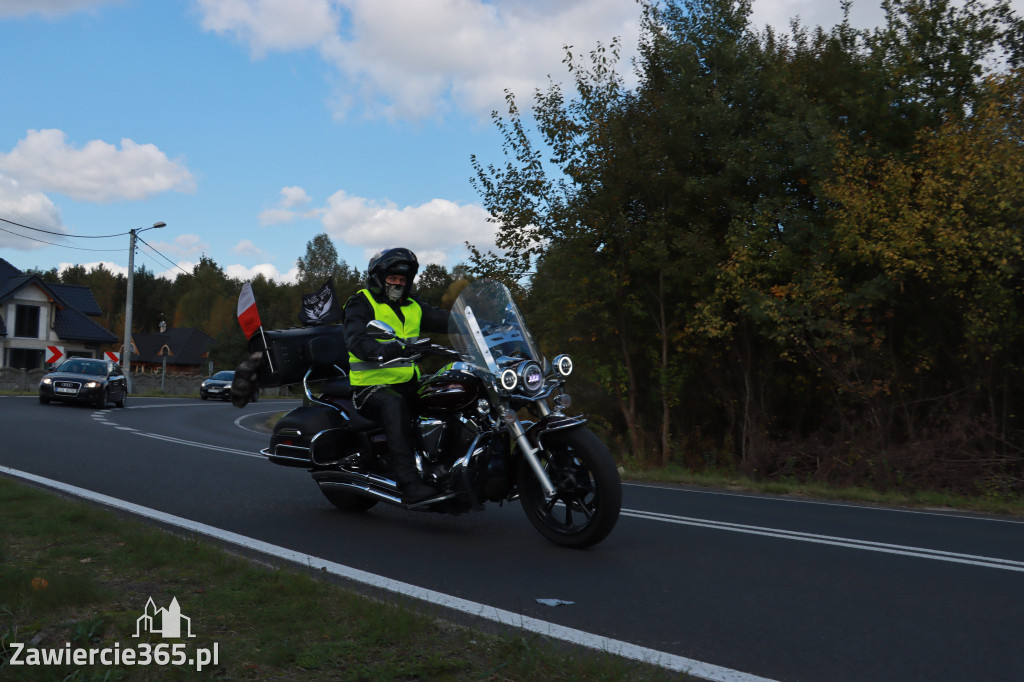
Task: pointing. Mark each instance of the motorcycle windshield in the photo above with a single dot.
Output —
(487, 328)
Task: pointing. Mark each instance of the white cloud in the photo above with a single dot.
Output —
(98, 172)
(409, 60)
(49, 8)
(247, 247)
(269, 271)
(414, 59)
(28, 208)
(824, 13)
(864, 14)
(436, 230)
(276, 216)
(115, 268)
(267, 25)
(284, 213)
(183, 245)
(292, 197)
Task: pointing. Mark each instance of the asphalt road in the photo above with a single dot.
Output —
(763, 586)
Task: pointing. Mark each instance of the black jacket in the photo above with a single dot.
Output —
(358, 312)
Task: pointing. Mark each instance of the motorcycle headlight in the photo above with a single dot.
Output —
(563, 365)
(508, 379)
(531, 376)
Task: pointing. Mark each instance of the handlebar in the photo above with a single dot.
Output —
(419, 348)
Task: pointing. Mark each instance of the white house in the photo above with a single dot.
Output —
(35, 314)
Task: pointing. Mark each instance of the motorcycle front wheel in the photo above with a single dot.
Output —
(588, 494)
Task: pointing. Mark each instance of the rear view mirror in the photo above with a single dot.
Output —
(380, 330)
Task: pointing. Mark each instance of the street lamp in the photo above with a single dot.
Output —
(126, 353)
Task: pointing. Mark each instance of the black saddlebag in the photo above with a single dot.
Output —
(286, 354)
(294, 432)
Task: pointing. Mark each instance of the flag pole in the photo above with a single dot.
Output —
(266, 349)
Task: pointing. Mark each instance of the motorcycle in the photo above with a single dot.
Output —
(471, 441)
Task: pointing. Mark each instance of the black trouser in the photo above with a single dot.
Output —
(389, 407)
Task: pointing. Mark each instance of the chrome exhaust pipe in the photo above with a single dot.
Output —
(359, 489)
(370, 485)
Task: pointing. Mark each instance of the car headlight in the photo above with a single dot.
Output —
(92, 384)
(47, 381)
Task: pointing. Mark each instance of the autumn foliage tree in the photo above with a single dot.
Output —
(789, 254)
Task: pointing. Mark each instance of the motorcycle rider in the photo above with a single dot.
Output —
(383, 382)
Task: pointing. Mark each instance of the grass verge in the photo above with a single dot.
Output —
(74, 576)
(1011, 505)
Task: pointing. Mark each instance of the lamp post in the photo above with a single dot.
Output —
(163, 352)
(126, 353)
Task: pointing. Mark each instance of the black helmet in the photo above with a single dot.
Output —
(396, 261)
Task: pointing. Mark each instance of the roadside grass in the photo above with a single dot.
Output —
(995, 503)
(78, 576)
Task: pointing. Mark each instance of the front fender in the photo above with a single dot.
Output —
(552, 422)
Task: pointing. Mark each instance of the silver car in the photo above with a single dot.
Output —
(218, 387)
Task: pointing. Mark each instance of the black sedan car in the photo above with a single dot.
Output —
(218, 387)
(85, 380)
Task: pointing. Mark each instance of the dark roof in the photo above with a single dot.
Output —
(187, 345)
(78, 297)
(11, 284)
(12, 279)
(72, 325)
(7, 270)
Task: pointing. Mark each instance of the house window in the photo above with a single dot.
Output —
(26, 321)
(24, 358)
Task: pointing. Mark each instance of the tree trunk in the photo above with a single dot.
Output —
(628, 405)
(665, 412)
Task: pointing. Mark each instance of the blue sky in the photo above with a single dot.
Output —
(250, 126)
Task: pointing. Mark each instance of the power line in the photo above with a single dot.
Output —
(43, 241)
(173, 264)
(61, 234)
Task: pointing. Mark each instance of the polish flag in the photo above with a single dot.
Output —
(248, 317)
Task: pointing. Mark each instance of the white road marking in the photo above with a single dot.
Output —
(826, 503)
(866, 545)
(700, 669)
(239, 424)
(204, 446)
(100, 419)
(903, 550)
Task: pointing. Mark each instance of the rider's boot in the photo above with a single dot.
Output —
(413, 488)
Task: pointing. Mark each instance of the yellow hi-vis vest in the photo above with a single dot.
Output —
(370, 372)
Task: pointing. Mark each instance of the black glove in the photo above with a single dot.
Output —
(245, 382)
(391, 350)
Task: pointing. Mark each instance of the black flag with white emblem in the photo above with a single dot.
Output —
(321, 307)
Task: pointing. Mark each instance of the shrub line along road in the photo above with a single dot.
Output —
(729, 586)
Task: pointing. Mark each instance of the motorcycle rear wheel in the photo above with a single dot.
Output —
(588, 494)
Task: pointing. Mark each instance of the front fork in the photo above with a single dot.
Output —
(515, 427)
